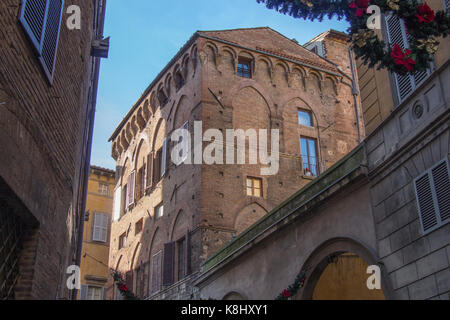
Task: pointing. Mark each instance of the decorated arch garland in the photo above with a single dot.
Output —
(122, 287)
(424, 26)
(293, 288)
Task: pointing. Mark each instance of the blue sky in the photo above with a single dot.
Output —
(146, 34)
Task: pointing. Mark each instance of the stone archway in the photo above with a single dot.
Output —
(345, 278)
(337, 270)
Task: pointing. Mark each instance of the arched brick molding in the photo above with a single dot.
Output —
(318, 261)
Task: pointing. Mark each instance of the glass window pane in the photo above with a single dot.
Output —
(257, 192)
(249, 191)
(304, 148)
(304, 118)
(257, 183)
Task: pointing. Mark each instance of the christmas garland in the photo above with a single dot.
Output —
(293, 288)
(122, 287)
(423, 27)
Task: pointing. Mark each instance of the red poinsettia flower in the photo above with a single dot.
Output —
(403, 57)
(286, 293)
(425, 14)
(124, 288)
(360, 6)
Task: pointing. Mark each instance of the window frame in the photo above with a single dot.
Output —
(240, 71)
(122, 240)
(139, 223)
(316, 147)
(252, 188)
(100, 189)
(309, 113)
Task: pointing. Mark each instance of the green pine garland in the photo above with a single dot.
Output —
(293, 288)
(366, 44)
(122, 287)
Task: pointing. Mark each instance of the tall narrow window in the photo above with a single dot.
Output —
(244, 68)
(41, 20)
(305, 118)
(254, 187)
(397, 34)
(156, 272)
(138, 226)
(122, 240)
(309, 156)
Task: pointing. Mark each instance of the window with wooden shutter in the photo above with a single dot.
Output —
(157, 167)
(131, 188)
(156, 272)
(100, 229)
(149, 177)
(168, 263)
(433, 196)
(41, 20)
(404, 84)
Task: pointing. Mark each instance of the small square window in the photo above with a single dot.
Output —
(254, 187)
(305, 118)
(103, 188)
(244, 68)
(139, 225)
(159, 211)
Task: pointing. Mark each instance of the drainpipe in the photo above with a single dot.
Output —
(90, 117)
(355, 94)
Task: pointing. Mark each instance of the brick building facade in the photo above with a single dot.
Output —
(168, 219)
(48, 82)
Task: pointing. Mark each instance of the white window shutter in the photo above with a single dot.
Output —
(425, 203)
(404, 84)
(105, 225)
(441, 182)
(432, 195)
(132, 186)
(397, 35)
(117, 203)
(164, 157)
(97, 229)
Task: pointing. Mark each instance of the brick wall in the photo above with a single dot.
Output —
(41, 135)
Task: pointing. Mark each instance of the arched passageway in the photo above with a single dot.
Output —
(345, 278)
